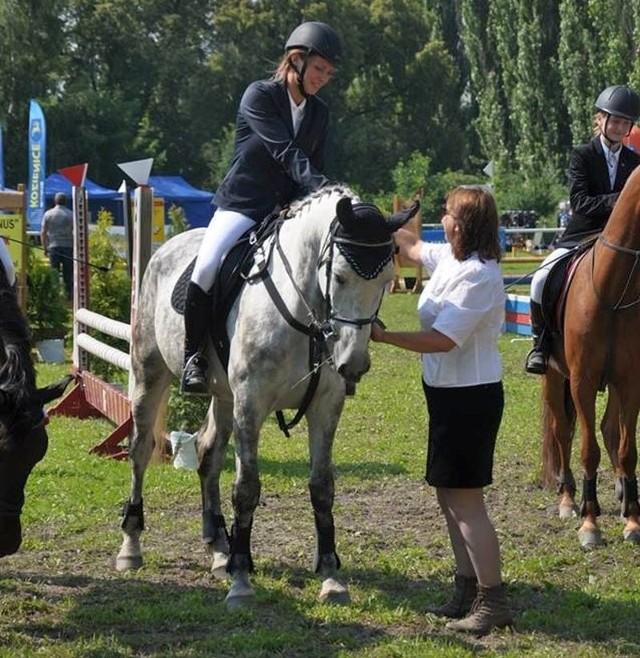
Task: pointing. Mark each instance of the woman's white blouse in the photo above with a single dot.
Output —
(464, 300)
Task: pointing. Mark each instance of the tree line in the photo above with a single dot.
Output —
(430, 92)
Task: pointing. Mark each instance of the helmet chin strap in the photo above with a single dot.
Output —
(300, 75)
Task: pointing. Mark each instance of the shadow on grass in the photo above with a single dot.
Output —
(141, 614)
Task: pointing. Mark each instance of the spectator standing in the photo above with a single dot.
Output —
(56, 236)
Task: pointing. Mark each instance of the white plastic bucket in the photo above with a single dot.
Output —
(183, 447)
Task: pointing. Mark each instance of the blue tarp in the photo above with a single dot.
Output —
(97, 196)
(197, 204)
(174, 190)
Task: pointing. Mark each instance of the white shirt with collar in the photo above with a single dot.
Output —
(464, 300)
(612, 158)
(297, 112)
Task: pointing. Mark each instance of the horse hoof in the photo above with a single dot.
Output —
(567, 511)
(590, 539)
(219, 565)
(240, 601)
(334, 592)
(128, 562)
(631, 536)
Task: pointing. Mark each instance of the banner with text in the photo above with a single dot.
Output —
(37, 158)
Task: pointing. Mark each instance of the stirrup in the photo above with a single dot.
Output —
(194, 376)
(536, 362)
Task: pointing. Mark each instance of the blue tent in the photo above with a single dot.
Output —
(97, 196)
(197, 204)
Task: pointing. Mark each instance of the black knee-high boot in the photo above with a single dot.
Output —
(197, 317)
(537, 357)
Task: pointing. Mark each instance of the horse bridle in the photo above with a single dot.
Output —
(320, 331)
(618, 306)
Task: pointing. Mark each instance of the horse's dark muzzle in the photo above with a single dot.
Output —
(10, 535)
(352, 376)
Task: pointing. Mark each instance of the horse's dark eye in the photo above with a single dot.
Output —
(340, 280)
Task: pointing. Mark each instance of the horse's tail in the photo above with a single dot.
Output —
(558, 425)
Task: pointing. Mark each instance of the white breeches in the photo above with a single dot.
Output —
(225, 228)
(7, 263)
(537, 283)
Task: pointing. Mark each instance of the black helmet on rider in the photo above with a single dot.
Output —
(619, 101)
(317, 39)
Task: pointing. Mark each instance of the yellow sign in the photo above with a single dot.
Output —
(158, 220)
(12, 231)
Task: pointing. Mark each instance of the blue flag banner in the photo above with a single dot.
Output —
(37, 155)
(1, 161)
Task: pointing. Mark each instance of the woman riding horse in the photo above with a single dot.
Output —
(597, 173)
(281, 131)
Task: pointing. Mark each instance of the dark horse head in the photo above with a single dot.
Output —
(23, 438)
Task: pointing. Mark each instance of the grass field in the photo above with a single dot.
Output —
(61, 598)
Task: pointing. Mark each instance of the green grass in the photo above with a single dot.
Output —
(60, 596)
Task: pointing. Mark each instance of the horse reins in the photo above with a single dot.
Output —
(319, 331)
(618, 306)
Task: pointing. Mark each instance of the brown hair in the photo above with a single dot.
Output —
(475, 213)
(286, 65)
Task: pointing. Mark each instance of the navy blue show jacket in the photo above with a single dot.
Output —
(271, 166)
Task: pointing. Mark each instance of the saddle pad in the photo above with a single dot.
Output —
(179, 294)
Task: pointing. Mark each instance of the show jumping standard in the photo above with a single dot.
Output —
(23, 438)
(599, 346)
(310, 311)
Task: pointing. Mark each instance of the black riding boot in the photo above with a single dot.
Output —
(537, 357)
(197, 316)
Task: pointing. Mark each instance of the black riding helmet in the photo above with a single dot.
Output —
(315, 38)
(619, 101)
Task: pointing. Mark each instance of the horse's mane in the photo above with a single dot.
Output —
(17, 374)
(319, 196)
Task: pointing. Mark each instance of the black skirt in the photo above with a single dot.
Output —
(463, 427)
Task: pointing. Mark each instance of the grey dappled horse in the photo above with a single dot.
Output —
(326, 267)
(23, 437)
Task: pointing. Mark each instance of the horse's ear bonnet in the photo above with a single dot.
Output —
(363, 235)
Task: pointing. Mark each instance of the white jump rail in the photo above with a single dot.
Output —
(92, 396)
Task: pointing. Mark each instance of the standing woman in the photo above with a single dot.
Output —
(281, 129)
(461, 311)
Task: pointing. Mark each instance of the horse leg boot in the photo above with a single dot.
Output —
(490, 610)
(459, 605)
(537, 358)
(630, 509)
(196, 320)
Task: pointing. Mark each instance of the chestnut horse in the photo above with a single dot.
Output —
(599, 346)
